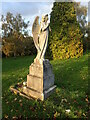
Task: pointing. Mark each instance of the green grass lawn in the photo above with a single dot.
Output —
(70, 100)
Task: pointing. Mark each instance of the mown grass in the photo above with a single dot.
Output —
(70, 100)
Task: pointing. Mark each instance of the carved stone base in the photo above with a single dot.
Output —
(40, 80)
(35, 94)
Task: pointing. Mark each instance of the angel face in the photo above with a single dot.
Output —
(43, 18)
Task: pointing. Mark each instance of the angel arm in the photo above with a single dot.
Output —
(45, 27)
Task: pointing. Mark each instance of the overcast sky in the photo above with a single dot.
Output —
(29, 10)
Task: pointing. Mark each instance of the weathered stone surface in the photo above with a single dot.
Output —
(35, 83)
(48, 92)
(39, 80)
(36, 70)
(42, 96)
(33, 93)
(40, 76)
(48, 76)
(30, 93)
(40, 35)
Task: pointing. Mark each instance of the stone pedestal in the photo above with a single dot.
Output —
(40, 80)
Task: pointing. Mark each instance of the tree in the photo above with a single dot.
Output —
(87, 39)
(13, 46)
(81, 12)
(15, 38)
(65, 40)
(13, 25)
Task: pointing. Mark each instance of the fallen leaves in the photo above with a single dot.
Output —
(7, 102)
(6, 116)
(21, 104)
(11, 110)
(86, 100)
(31, 108)
(67, 111)
(56, 114)
(15, 92)
(64, 100)
(15, 99)
(20, 101)
(14, 117)
(84, 114)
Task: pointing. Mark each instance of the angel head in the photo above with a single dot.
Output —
(45, 18)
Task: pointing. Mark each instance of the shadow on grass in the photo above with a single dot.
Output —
(68, 101)
(71, 78)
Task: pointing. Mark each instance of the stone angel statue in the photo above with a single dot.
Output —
(40, 36)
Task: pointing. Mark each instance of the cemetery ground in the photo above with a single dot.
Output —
(69, 100)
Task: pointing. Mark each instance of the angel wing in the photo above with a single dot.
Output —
(35, 31)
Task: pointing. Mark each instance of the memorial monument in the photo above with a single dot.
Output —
(40, 80)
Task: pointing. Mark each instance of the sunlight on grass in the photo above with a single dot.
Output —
(70, 100)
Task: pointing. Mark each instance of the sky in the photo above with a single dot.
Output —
(29, 10)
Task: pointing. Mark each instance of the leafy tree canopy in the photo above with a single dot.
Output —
(13, 25)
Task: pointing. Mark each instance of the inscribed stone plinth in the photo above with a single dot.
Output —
(40, 80)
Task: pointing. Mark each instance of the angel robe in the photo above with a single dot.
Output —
(43, 38)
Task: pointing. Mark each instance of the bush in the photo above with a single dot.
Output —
(65, 40)
(13, 46)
